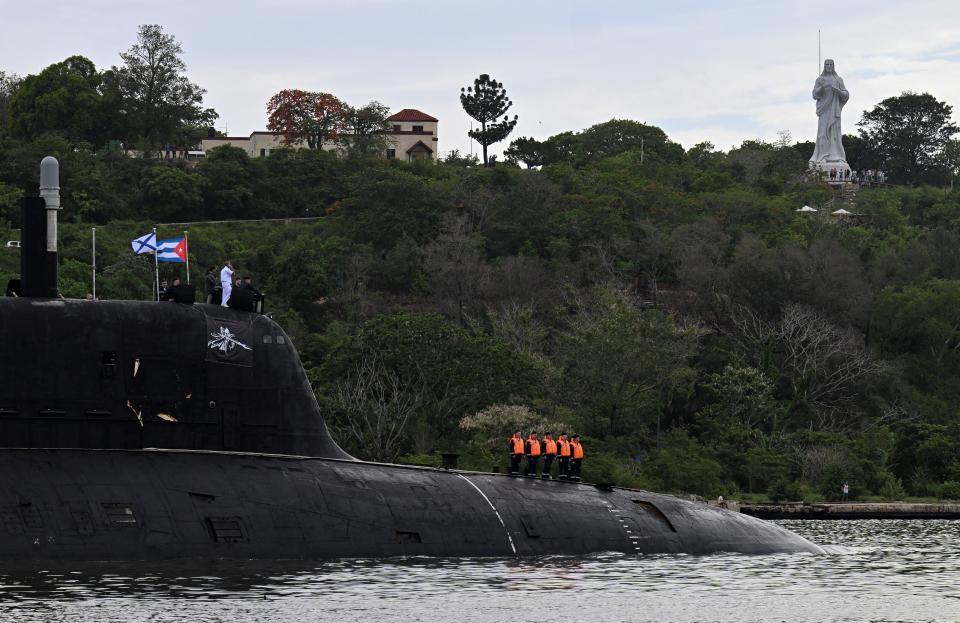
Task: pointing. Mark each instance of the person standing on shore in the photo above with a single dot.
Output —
(846, 492)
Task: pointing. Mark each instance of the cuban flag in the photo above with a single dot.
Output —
(145, 244)
(172, 250)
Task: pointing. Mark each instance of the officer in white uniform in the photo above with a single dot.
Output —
(226, 281)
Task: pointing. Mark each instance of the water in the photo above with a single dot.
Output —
(873, 571)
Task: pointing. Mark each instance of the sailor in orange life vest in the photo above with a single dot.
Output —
(563, 455)
(533, 455)
(549, 453)
(576, 457)
(515, 446)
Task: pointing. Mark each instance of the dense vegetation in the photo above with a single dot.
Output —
(673, 307)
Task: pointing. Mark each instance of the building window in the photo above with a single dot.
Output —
(396, 128)
(418, 128)
(263, 152)
(391, 154)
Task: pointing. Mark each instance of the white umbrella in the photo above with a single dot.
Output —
(807, 209)
(841, 212)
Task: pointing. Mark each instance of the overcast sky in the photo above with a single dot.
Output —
(716, 71)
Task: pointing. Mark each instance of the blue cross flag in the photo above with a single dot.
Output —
(145, 244)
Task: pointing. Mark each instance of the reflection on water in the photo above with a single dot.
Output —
(873, 570)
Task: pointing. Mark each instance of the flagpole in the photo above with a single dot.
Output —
(156, 265)
(93, 255)
(186, 251)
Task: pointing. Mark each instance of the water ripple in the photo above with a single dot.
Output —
(872, 570)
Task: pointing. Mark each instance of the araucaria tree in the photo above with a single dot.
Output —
(486, 101)
(306, 116)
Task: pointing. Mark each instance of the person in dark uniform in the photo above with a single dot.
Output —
(212, 283)
(170, 294)
(576, 457)
(515, 447)
(549, 454)
(163, 293)
(563, 457)
(533, 454)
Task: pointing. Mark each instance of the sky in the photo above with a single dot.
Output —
(722, 72)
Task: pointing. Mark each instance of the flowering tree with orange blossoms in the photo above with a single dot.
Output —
(308, 116)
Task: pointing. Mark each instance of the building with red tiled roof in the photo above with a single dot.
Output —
(412, 135)
(411, 114)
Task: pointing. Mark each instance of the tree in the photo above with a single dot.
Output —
(618, 136)
(923, 318)
(157, 97)
(909, 132)
(529, 151)
(374, 405)
(486, 101)
(306, 116)
(457, 269)
(495, 424)
(826, 364)
(620, 362)
(8, 86)
(365, 129)
(64, 99)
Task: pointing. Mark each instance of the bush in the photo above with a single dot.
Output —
(610, 469)
(949, 490)
(783, 490)
(892, 489)
(831, 483)
(684, 466)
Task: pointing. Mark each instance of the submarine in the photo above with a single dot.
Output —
(141, 430)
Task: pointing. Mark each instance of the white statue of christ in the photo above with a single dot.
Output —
(831, 95)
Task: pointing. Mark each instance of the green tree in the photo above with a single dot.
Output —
(170, 192)
(909, 132)
(452, 370)
(64, 99)
(486, 101)
(922, 318)
(9, 83)
(621, 363)
(365, 129)
(529, 151)
(158, 97)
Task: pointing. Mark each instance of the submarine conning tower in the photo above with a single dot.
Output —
(143, 374)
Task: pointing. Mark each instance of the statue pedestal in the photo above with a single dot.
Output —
(824, 167)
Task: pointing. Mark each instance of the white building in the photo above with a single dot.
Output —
(412, 135)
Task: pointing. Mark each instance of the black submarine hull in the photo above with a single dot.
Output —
(65, 504)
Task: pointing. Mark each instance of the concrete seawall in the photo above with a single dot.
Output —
(853, 510)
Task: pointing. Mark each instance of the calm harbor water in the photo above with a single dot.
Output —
(873, 571)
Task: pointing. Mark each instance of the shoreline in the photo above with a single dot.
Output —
(853, 510)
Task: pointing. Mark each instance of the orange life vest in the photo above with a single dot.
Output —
(549, 447)
(577, 449)
(534, 447)
(517, 445)
(564, 447)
